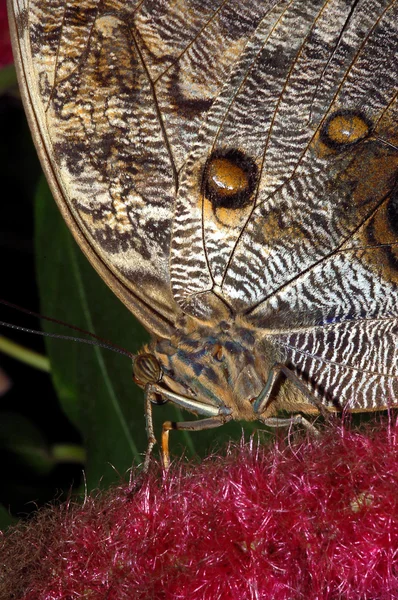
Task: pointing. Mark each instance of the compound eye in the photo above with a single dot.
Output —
(146, 369)
(344, 128)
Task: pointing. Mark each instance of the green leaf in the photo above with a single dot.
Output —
(94, 385)
(8, 78)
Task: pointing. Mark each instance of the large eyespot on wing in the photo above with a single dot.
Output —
(204, 233)
(344, 128)
(229, 180)
(115, 95)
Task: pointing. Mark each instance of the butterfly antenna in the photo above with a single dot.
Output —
(101, 342)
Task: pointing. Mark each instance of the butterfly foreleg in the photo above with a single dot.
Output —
(262, 401)
(149, 427)
(199, 425)
(216, 416)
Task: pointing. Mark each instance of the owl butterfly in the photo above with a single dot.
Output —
(230, 169)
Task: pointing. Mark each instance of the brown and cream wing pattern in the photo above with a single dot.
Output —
(116, 92)
(311, 260)
(307, 66)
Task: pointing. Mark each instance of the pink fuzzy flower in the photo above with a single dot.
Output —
(314, 519)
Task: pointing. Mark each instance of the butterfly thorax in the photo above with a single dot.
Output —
(224, 367)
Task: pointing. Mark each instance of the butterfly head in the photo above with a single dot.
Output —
(218, 370)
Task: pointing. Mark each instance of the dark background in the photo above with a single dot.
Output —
(31, 396)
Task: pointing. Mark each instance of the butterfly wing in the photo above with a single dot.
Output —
(115, 92)
(344, 303)
(312, 261)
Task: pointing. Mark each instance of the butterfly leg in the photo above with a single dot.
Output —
(294, 420)
(217, 417)
(210, 423)
(262, 400)
(149, 429)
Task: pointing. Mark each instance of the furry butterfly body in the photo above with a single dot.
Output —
(230, 169)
